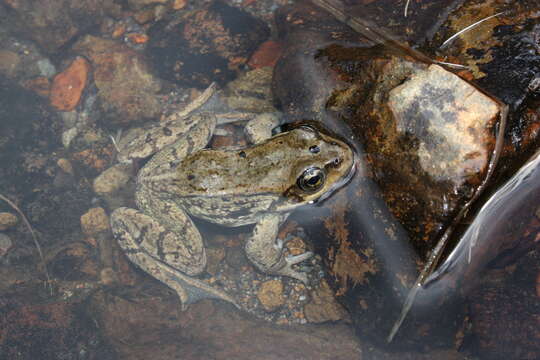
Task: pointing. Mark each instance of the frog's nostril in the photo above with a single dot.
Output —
(337, 162)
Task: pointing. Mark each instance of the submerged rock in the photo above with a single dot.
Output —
(205, 45)
(127, 90)
(427, 141)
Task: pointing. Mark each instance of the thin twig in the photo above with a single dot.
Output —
(32, 232)
(451, 38)
(406, 7)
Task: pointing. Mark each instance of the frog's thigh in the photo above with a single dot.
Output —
(197, 138)
(180, 247)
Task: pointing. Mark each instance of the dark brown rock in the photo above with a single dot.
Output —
(503, 56)
(205, 45)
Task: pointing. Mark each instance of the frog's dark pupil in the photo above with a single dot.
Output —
(242, 154)
(311, 179)
(314, 149)
(314, 180)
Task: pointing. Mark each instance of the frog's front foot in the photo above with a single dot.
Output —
(284, 266)
(266, 253)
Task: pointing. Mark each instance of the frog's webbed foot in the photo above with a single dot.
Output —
(266, 253)
(156, 250)
(284, 267)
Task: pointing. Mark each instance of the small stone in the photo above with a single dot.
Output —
(40, 85)
(266, 55)
(7, 220)
(107, 276)
(68, 86)
(9, 62)
(65, 165)
(94, 221)
(270, 295)
(296, 246)
(214, 256)
(251, 91)
(236, 258)
(112, 179)
(179, 4)
(5, 244)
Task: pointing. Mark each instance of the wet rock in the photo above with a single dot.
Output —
(127, 90)
(236, 257)
(9, 62)
(94, 221)
(7, 220)
(95, 159)
(270, 294)
(68, 86)
(40, 85)
(5, 244)
(413, 22)
(54, 23)
(504, 313)
(323, 306)
(49, 329)
(205, 45)
(65, 165)
(151, 326)
(503, 56)
(112, 179)
(214, 257)
(266, 55)
(23, 62)
(74, 262)
(139, 4)
(251, 91)
(418, 165)
(449, 119)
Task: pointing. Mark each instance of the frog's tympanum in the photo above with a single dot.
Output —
(260, 184)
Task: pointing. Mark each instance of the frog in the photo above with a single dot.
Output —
(259, 184)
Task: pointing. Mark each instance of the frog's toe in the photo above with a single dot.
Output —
(287, 269)
(298, 258)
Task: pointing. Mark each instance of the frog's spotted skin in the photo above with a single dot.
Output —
(256, 185)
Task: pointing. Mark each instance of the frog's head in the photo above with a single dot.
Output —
(324, 164)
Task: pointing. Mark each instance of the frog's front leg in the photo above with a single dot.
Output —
(170, 250)
(265, 250)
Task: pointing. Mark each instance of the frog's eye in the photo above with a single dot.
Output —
(312, 179)
(314, 149)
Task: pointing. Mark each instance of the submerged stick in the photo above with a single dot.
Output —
(32, 232)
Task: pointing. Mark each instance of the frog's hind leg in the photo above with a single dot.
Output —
(265, 251)
(159, 252)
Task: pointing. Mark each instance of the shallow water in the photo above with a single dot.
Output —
(79, 297)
